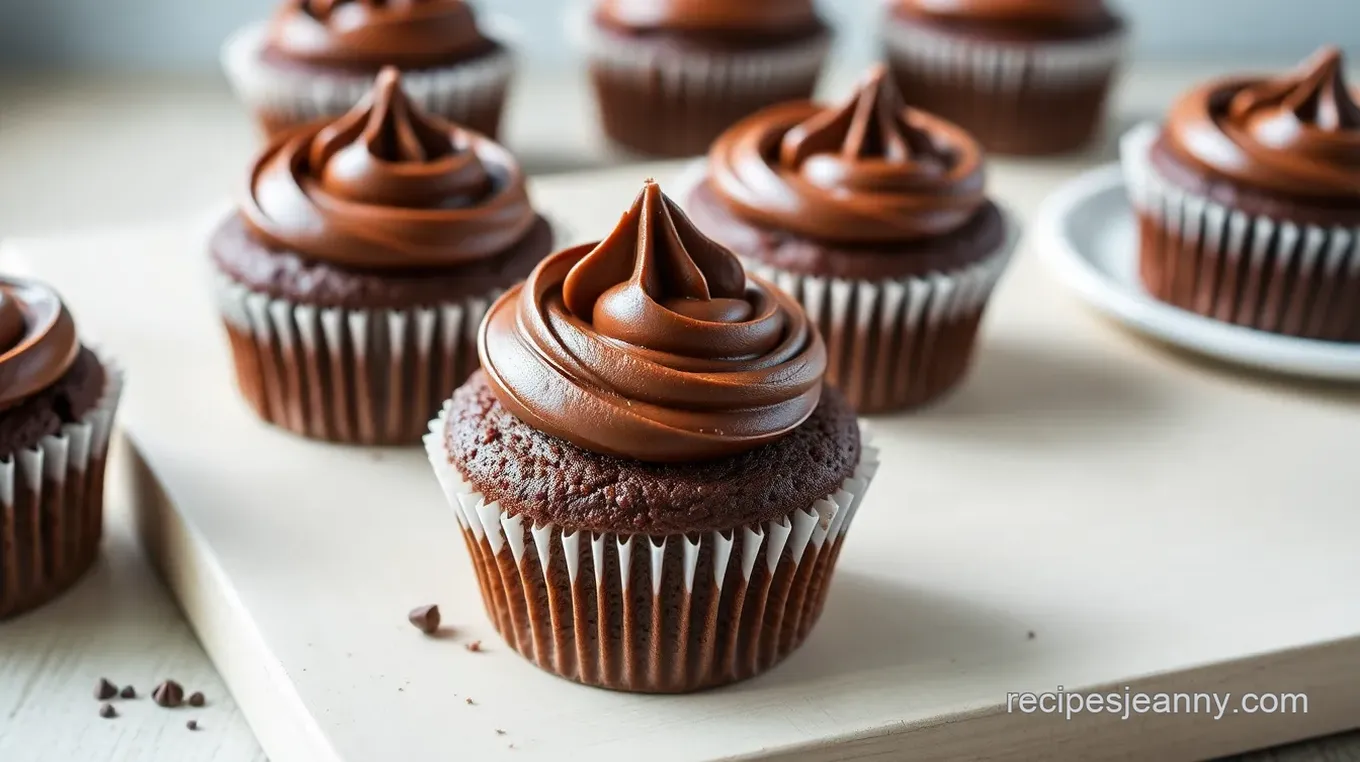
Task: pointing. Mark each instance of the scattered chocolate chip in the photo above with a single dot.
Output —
(191, 724)
(425, 619)
(1030, 635)
(196, 700)
(475, 646)
(129, 692)
(105, 690)
(108, 712)
(168, 694)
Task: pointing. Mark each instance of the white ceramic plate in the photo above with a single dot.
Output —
(1087, 234)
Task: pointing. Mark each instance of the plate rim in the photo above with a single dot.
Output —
(1137, 310)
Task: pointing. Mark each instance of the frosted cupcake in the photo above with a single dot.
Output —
(875, 217)
(57, 401)
(653, 482)
(354, 274)
(670, 75)
(1024, 76)
(317, 59)
(1248, 201)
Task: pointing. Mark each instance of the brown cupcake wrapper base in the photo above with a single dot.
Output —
(52, 505)
(1027, 99)
(901, 343)
(470, 94)
(1247, 269)
(664, 614)
(354, 376)
(676, 102)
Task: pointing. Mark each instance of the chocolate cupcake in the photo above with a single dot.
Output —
(653, 482)
(57, 400)
(317, 59)
(1248, 202)
(354, 275)
(1026, 77)
(874, 216)
(670, 76)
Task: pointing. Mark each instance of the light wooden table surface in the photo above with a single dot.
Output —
(90, 152)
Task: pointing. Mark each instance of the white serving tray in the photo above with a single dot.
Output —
(1153, 523)
(1089, 236)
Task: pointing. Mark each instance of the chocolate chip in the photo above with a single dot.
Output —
(108, 712)
(129, 692)
(168, 694)
(196, 700)
(191, 724)
(105, 690)
(475, 646)
(425, 619)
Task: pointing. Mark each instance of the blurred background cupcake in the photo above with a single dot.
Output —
(653, 480)
(1248, 201)
(670, 75)
(359, 265)
(317, 59)
(57, 401)
(875, 216)
(1027, 77)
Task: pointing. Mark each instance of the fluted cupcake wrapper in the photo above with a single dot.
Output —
(673, 101)
(471, 94)
(52, 505)
(898, 343)
(1249, 269)
(654, 614)
(356, 376)
(1023, 98)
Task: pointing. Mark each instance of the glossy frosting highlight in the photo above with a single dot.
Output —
(1298, 134)
(1010, 10)
(388, 187)
(710, 15)
(653, 345)
(412, 34)
(868, 171)
(38, 340)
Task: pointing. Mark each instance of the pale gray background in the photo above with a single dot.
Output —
(184, 34)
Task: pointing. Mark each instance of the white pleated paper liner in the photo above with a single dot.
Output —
(353, 376)
(471, 94)
(673, 101)
(52, 504)
(1253, 270)
(999, 67)
(663, 614)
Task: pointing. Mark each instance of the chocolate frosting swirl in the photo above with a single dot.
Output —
(388, 187)
(653, 345)
(410, 34)
(1014, 11)
(868, 171)
(38, 340)
(710, 15)
(1298, 134)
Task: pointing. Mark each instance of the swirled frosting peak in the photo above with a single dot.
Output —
(38, 340)
(388, 187)
(1299, 133)
(411, 34)
(868, 170)
(711, 15)
(653, 345)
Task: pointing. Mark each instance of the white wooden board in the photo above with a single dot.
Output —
(1154, 521)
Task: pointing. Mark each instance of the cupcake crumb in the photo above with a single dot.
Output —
(469, 701)
(475, 646)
